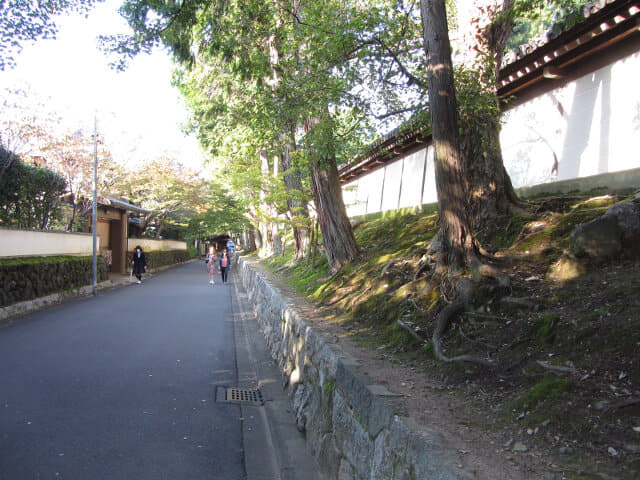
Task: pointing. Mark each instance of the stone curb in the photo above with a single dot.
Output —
(355, 429)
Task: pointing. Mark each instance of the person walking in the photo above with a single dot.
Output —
(224, 265)
(231, 248)
(211, 259)
(139, 263)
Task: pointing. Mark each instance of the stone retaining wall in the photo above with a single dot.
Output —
(354, 428)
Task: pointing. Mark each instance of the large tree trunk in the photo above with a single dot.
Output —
(74, 211)
(275, 224)
(340, 245)
(266, 226)
(297, 207)
(457, 239)
(483, 29)
(257, 238)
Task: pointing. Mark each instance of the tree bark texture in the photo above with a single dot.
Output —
(257, 238)
(297, 208)
(338, 239)
(456, 232)
(265, 227)
(273, 213)
(483, 29)
(339, 242)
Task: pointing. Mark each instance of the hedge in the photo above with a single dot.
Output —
(161, 258)
(32, 277)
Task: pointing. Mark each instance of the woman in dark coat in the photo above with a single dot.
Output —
(224, 265)
(139, 263)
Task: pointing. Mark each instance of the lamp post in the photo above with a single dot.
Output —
(94, 216)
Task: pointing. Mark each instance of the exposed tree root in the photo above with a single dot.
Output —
(464, 289)
(391, 263)
(476, 342)
(484, 315)
(364, 292)
(556, 368)
(330, 304)
(407, 328)
(622, 404)
(425, 267)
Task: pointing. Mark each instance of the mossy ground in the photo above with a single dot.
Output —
(583, 414)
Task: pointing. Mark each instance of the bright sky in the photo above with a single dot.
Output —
(138, 111)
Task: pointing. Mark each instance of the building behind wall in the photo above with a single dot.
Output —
(574, 113)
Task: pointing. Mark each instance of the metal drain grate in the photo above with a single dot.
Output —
(242, 395)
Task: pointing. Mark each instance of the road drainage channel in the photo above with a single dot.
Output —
(243, 396)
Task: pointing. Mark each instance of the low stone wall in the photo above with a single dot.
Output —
(355, 429)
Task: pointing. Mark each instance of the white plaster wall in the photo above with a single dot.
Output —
(350, 198)
(430, 195)
(587, 127)
(411, 194)
(150, 245)
(26, 243)
(392, 183)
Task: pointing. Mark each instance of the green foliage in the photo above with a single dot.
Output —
(254, 73)
(222, 213)
(478, 108)
(23, 21)
(29, 196)
(534, 18)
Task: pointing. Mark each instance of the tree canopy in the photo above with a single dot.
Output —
(23, 21)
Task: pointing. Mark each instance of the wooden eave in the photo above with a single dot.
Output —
(609, 26)
(593, 41)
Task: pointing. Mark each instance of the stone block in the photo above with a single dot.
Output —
(328, 457)
(384, 460)
(627, 217)
(430, 457)
(373, 413)
(351, 438)
(600, 238)
(346, 471)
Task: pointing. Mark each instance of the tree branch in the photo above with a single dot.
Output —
(412, 78)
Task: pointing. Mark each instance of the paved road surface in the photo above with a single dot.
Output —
(123, 386)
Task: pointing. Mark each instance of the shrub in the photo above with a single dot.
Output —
(27, 278)
(162, 258)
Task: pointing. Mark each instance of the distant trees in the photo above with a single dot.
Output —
(29, 196)
(71, 155)
(170, 192)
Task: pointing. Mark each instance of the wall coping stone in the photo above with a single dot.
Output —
(356, 428)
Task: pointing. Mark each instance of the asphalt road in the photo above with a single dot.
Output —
(123, 386)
